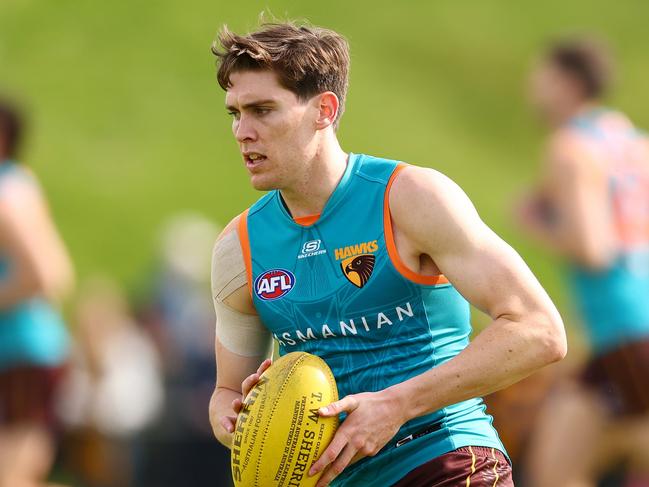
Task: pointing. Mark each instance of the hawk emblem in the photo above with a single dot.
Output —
(358, 269)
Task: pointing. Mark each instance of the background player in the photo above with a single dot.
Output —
(414, 378)
(35, 271)
(592, 206)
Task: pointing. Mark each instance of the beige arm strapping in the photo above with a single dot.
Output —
(241, 333)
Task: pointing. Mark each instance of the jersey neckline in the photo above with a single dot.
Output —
(588, 116)
(334, 199)
(6, 166)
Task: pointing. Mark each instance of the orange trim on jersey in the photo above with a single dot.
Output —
(306, 221)
(245, 247)
(392, 248)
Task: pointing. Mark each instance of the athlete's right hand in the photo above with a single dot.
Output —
(229, 422)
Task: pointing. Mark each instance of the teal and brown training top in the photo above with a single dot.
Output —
(334, 286)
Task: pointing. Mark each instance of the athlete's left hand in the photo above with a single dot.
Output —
(373, 418)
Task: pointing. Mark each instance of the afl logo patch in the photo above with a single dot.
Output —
(274, 284)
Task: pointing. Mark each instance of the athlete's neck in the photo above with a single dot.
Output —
(309, 193)
(570, 111)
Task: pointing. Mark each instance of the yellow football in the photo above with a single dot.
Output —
(279, 433)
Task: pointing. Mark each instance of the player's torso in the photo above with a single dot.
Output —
(332, 289)
(613, 301)
(31, 331)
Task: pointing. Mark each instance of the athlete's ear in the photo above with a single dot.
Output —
(328, 105)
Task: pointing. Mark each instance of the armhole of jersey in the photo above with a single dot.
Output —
(244, 240)
(391, 246)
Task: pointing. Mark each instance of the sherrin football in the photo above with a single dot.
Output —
(279, 433)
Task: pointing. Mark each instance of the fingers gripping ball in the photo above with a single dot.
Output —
(279, 433)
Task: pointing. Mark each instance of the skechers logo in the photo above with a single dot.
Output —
(311, 248)
(274, 284)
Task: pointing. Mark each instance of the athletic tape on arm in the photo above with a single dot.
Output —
(241, 333)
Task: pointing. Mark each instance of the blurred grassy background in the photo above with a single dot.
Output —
(129, 125)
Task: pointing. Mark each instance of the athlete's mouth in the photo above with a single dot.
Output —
(253, 159)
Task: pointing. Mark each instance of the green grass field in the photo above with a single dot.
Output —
(129, 124)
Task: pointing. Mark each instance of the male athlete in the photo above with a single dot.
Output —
(592, 206)
(35, 273)
(370, 264)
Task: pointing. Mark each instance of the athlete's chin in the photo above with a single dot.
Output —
(261, 182)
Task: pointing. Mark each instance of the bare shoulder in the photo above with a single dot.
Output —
(20, 192)
(642, 146)
(22, 205)
(423, 190)
(567, 150)
(430, 210)
(417, 184)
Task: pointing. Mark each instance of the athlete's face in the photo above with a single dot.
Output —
(276, 131)
(552, 90)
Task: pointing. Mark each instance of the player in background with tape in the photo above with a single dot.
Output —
(369, 264)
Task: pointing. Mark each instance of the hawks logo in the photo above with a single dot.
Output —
(357, 261)
(358, 269)
(274, 284)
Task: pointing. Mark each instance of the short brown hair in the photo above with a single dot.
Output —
(307, 60)
(586, 60)
(11, 130)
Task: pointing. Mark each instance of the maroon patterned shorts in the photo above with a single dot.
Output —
(27, 395)
(621, 379)
(470, 466)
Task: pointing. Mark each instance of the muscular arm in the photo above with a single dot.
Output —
(526, 333)
(39, 262)
(437, 229)
(242, 342)
(576, 193)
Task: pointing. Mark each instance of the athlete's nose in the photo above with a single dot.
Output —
(244, 130)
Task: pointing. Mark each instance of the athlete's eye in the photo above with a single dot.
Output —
(262, 110)
(234, 115)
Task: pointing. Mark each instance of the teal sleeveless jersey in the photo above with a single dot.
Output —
(336, 289)
(613, 301)
(32, 332)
